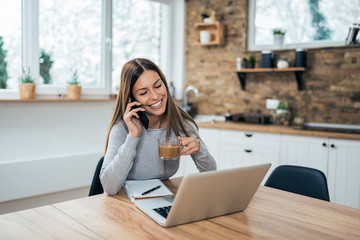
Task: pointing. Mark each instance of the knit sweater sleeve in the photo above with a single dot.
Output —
(118, 160)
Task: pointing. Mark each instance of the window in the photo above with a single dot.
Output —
(55, 38)
(144, 19)
(10, 43)
(310, 23)
(70, 40)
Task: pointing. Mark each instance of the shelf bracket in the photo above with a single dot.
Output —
(242, 78)
(298, 76)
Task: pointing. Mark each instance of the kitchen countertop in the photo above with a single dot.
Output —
(269, 128)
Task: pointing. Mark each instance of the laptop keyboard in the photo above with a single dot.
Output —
(163, 211)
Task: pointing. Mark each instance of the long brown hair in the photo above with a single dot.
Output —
(177, 119)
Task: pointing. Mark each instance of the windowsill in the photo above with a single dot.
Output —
(56, 100)
(37, 99)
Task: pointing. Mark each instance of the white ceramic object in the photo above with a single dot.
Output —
(279, 111)
(278, 40)
(238, 63)
(282, 63)
(204, 37)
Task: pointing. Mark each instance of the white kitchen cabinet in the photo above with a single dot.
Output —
(305, 151)
(344, 172)
(338, 159)
(239, 149)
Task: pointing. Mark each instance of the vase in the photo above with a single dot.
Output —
(282, 117)
(27, 90)
(204, 37)
(278, 40)
(73, 91)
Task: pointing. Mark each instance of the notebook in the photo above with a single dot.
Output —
(206, 195)
(135, 188)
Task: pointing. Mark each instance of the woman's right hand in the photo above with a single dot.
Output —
(131, 119)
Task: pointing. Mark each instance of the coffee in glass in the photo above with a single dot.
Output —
(169, 148)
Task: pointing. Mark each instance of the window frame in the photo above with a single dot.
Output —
(171, 60)
(253, 47)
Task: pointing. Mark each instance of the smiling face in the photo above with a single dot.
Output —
(151, 92)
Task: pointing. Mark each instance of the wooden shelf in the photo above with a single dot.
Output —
(297, 70)
(255, 70)
(216, 30)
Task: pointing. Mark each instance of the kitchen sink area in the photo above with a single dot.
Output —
(209, 118)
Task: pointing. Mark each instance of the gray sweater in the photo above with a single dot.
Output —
(129, 158)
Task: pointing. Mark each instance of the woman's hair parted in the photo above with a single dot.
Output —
(176, 117)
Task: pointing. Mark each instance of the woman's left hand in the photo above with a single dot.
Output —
(189, 145)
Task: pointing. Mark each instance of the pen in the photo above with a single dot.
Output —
(151, 190)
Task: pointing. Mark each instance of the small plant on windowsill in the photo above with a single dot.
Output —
(26, 77)
(279, 35)
(278, 31)
(73, 88)
(27, 85)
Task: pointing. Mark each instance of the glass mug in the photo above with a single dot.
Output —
(169, 148)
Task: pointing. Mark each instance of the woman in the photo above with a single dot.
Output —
(131, 150)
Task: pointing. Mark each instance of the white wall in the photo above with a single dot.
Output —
(48, 148)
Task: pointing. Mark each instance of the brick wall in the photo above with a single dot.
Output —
(331, 82)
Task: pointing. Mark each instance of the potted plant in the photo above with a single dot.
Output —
(73, 89)
(27, 85)
(282, 107)
(283, 115)
(252, 60)
(278, 36)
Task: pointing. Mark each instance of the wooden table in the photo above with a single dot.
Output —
(272, 214)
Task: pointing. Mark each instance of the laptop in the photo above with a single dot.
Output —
(206, 195)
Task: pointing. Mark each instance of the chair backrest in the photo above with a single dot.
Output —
(96, 187)
(301, 180)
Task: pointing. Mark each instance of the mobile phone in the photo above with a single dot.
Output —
(142, 116)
